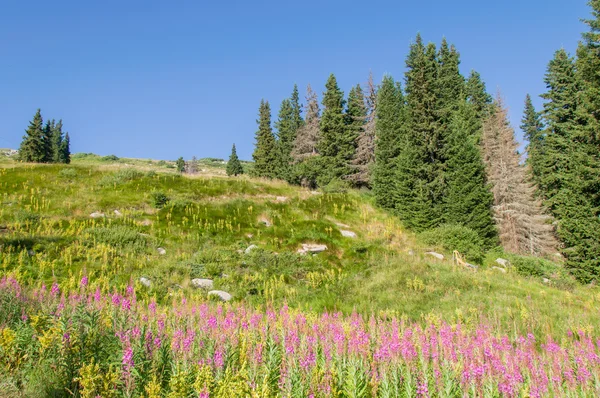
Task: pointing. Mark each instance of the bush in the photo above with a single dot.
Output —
(27, 217)
(118, 236)
(457, 237)
(533, 266)
(336, 186)
(159, 199)
(110, 158)
(120, 177)
(68, 173)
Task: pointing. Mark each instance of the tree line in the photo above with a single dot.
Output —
(45, 143)
(438, 149)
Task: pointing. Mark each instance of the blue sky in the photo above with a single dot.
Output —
(163, 79)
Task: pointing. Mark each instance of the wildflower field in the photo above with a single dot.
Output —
(372, 315)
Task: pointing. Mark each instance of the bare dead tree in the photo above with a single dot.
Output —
(365, 150)
(308, 135)
(523, 225)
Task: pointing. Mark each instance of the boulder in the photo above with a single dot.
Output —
(145, 281)
(161, 251)
(436, 255)
(312, 248)
(199, 283)
(503, 262)
(220, 294)
(97, 214)
(250, 248)
(503, 270)
(348, 234)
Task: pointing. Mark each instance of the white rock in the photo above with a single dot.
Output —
(97, 214)
(500, 269)
(281, 198)
(250, 248)
(249, 236)
(312, 248)
(348, 234)
(436, 255)
(220, 294)
(145, 281)
(146, 222)
(161, 251)
(503, 262)
(411, 252)
(118, 213)
(546, 280)
(265, 221)
(339, 224)
(199, 283)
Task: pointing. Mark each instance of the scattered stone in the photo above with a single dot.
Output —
(199, 283)
(503, 262)
(473, 267)
(503, 270)
(411, 252)
(546, 280)
(265, 221)
(220, 294)
(315, 192)
(97, 214)
(118, 213)
(348, 234)
(240, 251)
(339, 224)
(281, 198)
(250, 248)
(312, 248)
(436, 255)
(249, 236)
(146, 222)
(161, 251)
(145, 282)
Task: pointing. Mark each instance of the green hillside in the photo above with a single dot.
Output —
(117, 221)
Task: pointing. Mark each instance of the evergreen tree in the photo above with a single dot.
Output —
(57, 142)
(356, 118)
(297, 110)
(478, 95)
(532, 128)
(180, 164)
(48, 141)
(523, 226)
(450, 83)
(265, 150)
(286, 134)
(420, 178)
(388, 141)
(364, 157)
(234, 166)
(468, 199)
(65, 150)
(305, 152)
(337, 143)
(32, 147)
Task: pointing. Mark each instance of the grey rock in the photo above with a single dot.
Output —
(199, 283)
(161, 251)
(348, 234)
(500, 269)
(411, 252)
(503, 262)
(145, 281)
(146, 222)
(250, 248)
(118, 213)
(281, 198)
(436, 255)
(220, 294)
(546, 280)
(97, 214)
(312, 248)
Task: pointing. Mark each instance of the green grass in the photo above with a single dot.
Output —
(46, 235)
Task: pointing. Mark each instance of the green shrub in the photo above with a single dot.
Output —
(68, 173)
(533, 266)
(457, 237)
(118, 236)
(159, 199)
(336, 186)
(110, 158)
(120, 177)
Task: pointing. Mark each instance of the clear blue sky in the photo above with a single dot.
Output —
(163, 79)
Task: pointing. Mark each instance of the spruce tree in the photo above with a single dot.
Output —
(180, 164)
(234, 166)
(532, 128)
(265, 150)
(297, 110)
(356, 118)
(337, 143)
(305, 152)
(286, 134)
(48, 141)
(522, 223)
(420, 178)
(364, 158)
(32, 147)
(388, 141)
(478, 95)
(65, 150)
(468, 199)
(450, 83)
(57, 142)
